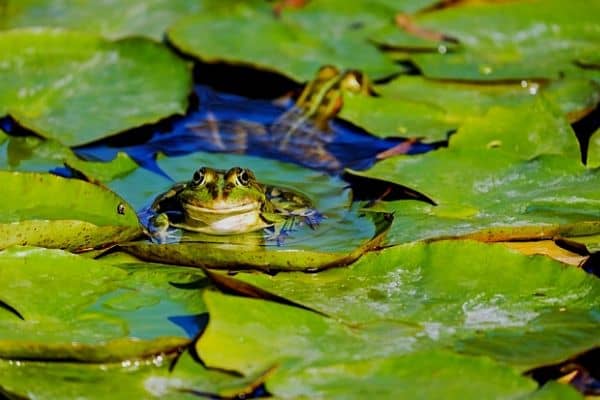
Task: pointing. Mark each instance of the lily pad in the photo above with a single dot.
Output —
(57, 81)
(33, 154)
(504, 177)
(109, 18)
(343, 236)
(412, 106)
(511, 40)
(122, 315)
(47, 210)
(425, 375)
(412, 297)
(140, 379)
(288, 44)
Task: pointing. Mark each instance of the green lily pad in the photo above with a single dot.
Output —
(424, 375)
(295, 44)
(90, 310)
(407, 303)
(412, 106)
(444, 287)
(57, 81)
(47, 210)
(511, 40)
(400, 302)
(33, 154)
(505, 176)
(139, 379)
(238, 256)
(114, 20)
(342, 236)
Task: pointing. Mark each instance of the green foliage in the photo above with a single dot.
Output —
(413, 310)
(77, 88)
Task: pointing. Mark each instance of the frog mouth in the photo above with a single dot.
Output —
(224, 208)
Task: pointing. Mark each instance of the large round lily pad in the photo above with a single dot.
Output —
(74, 308)
(504, 176)
(345, 233)
(407, 303)
(76, 87)
(510, 40)
(130, 379)
(295, 44)
(110, 18)
(47, 210)
(412, 106)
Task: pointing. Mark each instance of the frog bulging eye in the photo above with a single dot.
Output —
(243, 177)
(199, 177)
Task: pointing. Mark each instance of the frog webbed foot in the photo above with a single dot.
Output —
(159, 232)
(313, 218)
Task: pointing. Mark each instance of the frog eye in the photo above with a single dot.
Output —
(199, 177)
(243, 177)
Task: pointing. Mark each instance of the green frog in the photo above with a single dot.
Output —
(320, 101)
(301, 132)
(218, 202)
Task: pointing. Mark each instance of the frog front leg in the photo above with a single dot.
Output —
(158, 229)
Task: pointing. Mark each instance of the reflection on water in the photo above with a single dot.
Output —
(233, 124)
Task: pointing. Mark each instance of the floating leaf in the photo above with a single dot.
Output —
(288, 44)
(511, 40)
(344, 234)
(427, 375)
(444, 288)
(90, 310)
(114, 20)
(139, 379)
(47, 210)
(497, 182)
(412, 106)
(77, 88)
(30, 153)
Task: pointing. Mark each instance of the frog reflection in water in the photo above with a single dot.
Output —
(302, 132)
(218, 202)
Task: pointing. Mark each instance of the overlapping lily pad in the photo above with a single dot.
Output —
(412, 106)
(30, 153)
(341, 237)
(76, 88)
(80, 309)
(114, 20)
(136, 379)
(509, 40)
(295, 44)
(394, 304)
(47, 210)
(444, 288)
(426, 375)
(505, 176)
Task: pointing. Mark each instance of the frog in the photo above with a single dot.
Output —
(230, 202)
(321, 100)
(301, 132)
